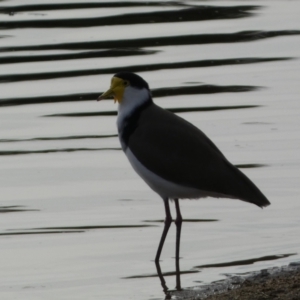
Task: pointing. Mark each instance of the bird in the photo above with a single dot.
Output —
(175, 158)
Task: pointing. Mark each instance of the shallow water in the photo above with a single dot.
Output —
(76, 221)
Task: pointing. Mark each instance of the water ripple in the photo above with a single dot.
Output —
(245, 261)
(15, 208)
(156, 93)
(67, 229)
(80, 55)
(174, 110)
(138, 68)
(73, 137)
(22, 152)
(198, 13)
(159, 41)
(11, 10)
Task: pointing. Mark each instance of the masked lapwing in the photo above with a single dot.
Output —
(175, 158)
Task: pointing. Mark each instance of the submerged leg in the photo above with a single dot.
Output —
(178, 223)
(168, 222)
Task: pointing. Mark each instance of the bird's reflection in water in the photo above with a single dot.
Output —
(178, 284)
(177, 273)
(163, 282)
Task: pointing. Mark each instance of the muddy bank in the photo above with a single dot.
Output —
(274, 283)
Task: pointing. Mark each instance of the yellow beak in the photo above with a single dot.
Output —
(116, 90)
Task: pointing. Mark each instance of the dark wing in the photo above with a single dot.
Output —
(177, 150)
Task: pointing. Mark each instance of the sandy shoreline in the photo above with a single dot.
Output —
(275, 283)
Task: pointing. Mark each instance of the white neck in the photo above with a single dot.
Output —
(132, 99)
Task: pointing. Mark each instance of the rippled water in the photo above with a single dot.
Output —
(76, 221)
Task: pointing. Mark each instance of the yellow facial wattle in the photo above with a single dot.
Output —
(116, 90)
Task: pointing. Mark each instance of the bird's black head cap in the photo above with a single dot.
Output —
(134, 79)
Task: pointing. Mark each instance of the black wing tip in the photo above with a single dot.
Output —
(264, 204)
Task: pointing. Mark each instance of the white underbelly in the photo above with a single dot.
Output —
(163, 187)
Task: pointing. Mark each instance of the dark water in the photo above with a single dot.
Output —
(231, 68)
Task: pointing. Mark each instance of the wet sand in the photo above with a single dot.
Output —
(274, 283)
(285, 285)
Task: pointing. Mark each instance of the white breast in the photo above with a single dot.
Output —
(165, 188)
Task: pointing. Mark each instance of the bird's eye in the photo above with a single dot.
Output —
(126, 83)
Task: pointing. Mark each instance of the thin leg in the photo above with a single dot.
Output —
(178, 223)
(168, 222)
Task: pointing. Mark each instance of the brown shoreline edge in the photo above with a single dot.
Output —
(274, 283)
